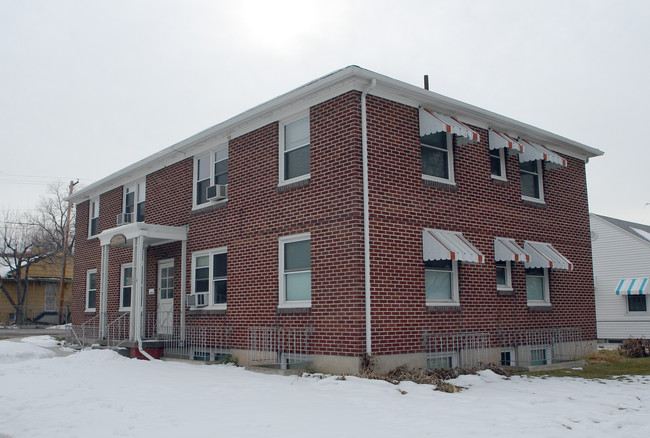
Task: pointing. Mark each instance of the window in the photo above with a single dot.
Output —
(442, 361)
(134, 202)
(539, 356)
(498, 163)
(209, 169)
(294, 150)
(91, 290)
(126, 286)
(507, 358)
(531, 180)
(209, 275)
(636, 303)
(504, 276)
(441, 282)
(437, 157)
(295, 270)
(93, 213)
(537, 286)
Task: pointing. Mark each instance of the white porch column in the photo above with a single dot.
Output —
(103, 291)
(135, 327)
(183, 280)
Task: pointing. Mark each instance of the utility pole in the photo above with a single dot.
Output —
(66, 236)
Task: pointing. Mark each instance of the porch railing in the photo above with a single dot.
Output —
(279, 346)
(198, 343)
(117, 331)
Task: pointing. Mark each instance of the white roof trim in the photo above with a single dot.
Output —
(499, 140)
(533, 151)
(633, 286)
(448, 245)
(508, 250)
(543, 255)
(432, 122)
(321, 90)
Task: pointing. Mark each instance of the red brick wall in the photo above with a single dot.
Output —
(482, 208)
(330, 208)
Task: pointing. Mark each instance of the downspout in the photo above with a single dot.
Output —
(366, 214)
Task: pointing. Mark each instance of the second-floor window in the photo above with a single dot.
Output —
(134, 202)
(295, 155)
(437, 157)
(93, 214)
(497, 163)
(531, 180)
(210, 169)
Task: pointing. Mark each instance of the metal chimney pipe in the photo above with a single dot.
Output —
(426, 82)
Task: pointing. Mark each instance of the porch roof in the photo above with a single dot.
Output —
(153, 235)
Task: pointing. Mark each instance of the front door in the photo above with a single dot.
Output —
(166, 297)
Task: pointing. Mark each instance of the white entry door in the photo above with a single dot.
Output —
(166, 297)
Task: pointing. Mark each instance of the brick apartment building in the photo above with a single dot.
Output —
(356, 216)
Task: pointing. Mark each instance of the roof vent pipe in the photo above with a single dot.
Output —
(426, 82)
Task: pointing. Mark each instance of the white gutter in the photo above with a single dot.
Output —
(366, 209)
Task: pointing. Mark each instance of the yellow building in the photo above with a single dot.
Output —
(43, 296)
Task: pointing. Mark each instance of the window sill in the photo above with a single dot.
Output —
(505, 292)
(201, 311)
(293, 310)
(443, 307)
(209, 206)
(440, 184)
(286, 186)
(89, 311)
(94, 236)
(295, 305)
(546, 307)
(498, 181)
(532, 202)
(124, 310)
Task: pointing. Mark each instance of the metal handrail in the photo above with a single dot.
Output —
(119, 327)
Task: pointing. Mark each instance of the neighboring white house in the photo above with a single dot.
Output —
(621, 255)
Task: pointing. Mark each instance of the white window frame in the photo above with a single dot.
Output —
(455, 300)
(282, 299)
(122, 286)
(450, 161)
(453, 355)
(139, 189)
(502, 163)
(281, 149)
(209, 253)
(540, 180)
(92, 201)
(635, 312)
(211, 156)
(546, 301)
(508, 285)
(89, 272)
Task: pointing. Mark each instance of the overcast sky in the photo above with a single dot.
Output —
(89, 87)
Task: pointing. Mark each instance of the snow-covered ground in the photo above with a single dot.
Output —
(101, 394)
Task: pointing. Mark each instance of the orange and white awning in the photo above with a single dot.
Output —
(543, 255)
(448, 245)
(432, 122)
(499, 140)
(534, 151)
(507, 250)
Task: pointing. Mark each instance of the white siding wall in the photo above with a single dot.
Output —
(617, 255)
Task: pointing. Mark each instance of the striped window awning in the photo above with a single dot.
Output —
(534, 151)
(432, 122)
(507, 250)
(633, 286)
(448, 245)
(499, 140)
(543, 255)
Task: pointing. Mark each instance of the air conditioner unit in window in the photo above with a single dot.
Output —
(124, 218)
(199, 299)
(219, 191)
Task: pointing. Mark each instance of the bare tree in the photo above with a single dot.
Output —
(29, 238)
(19, 250)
